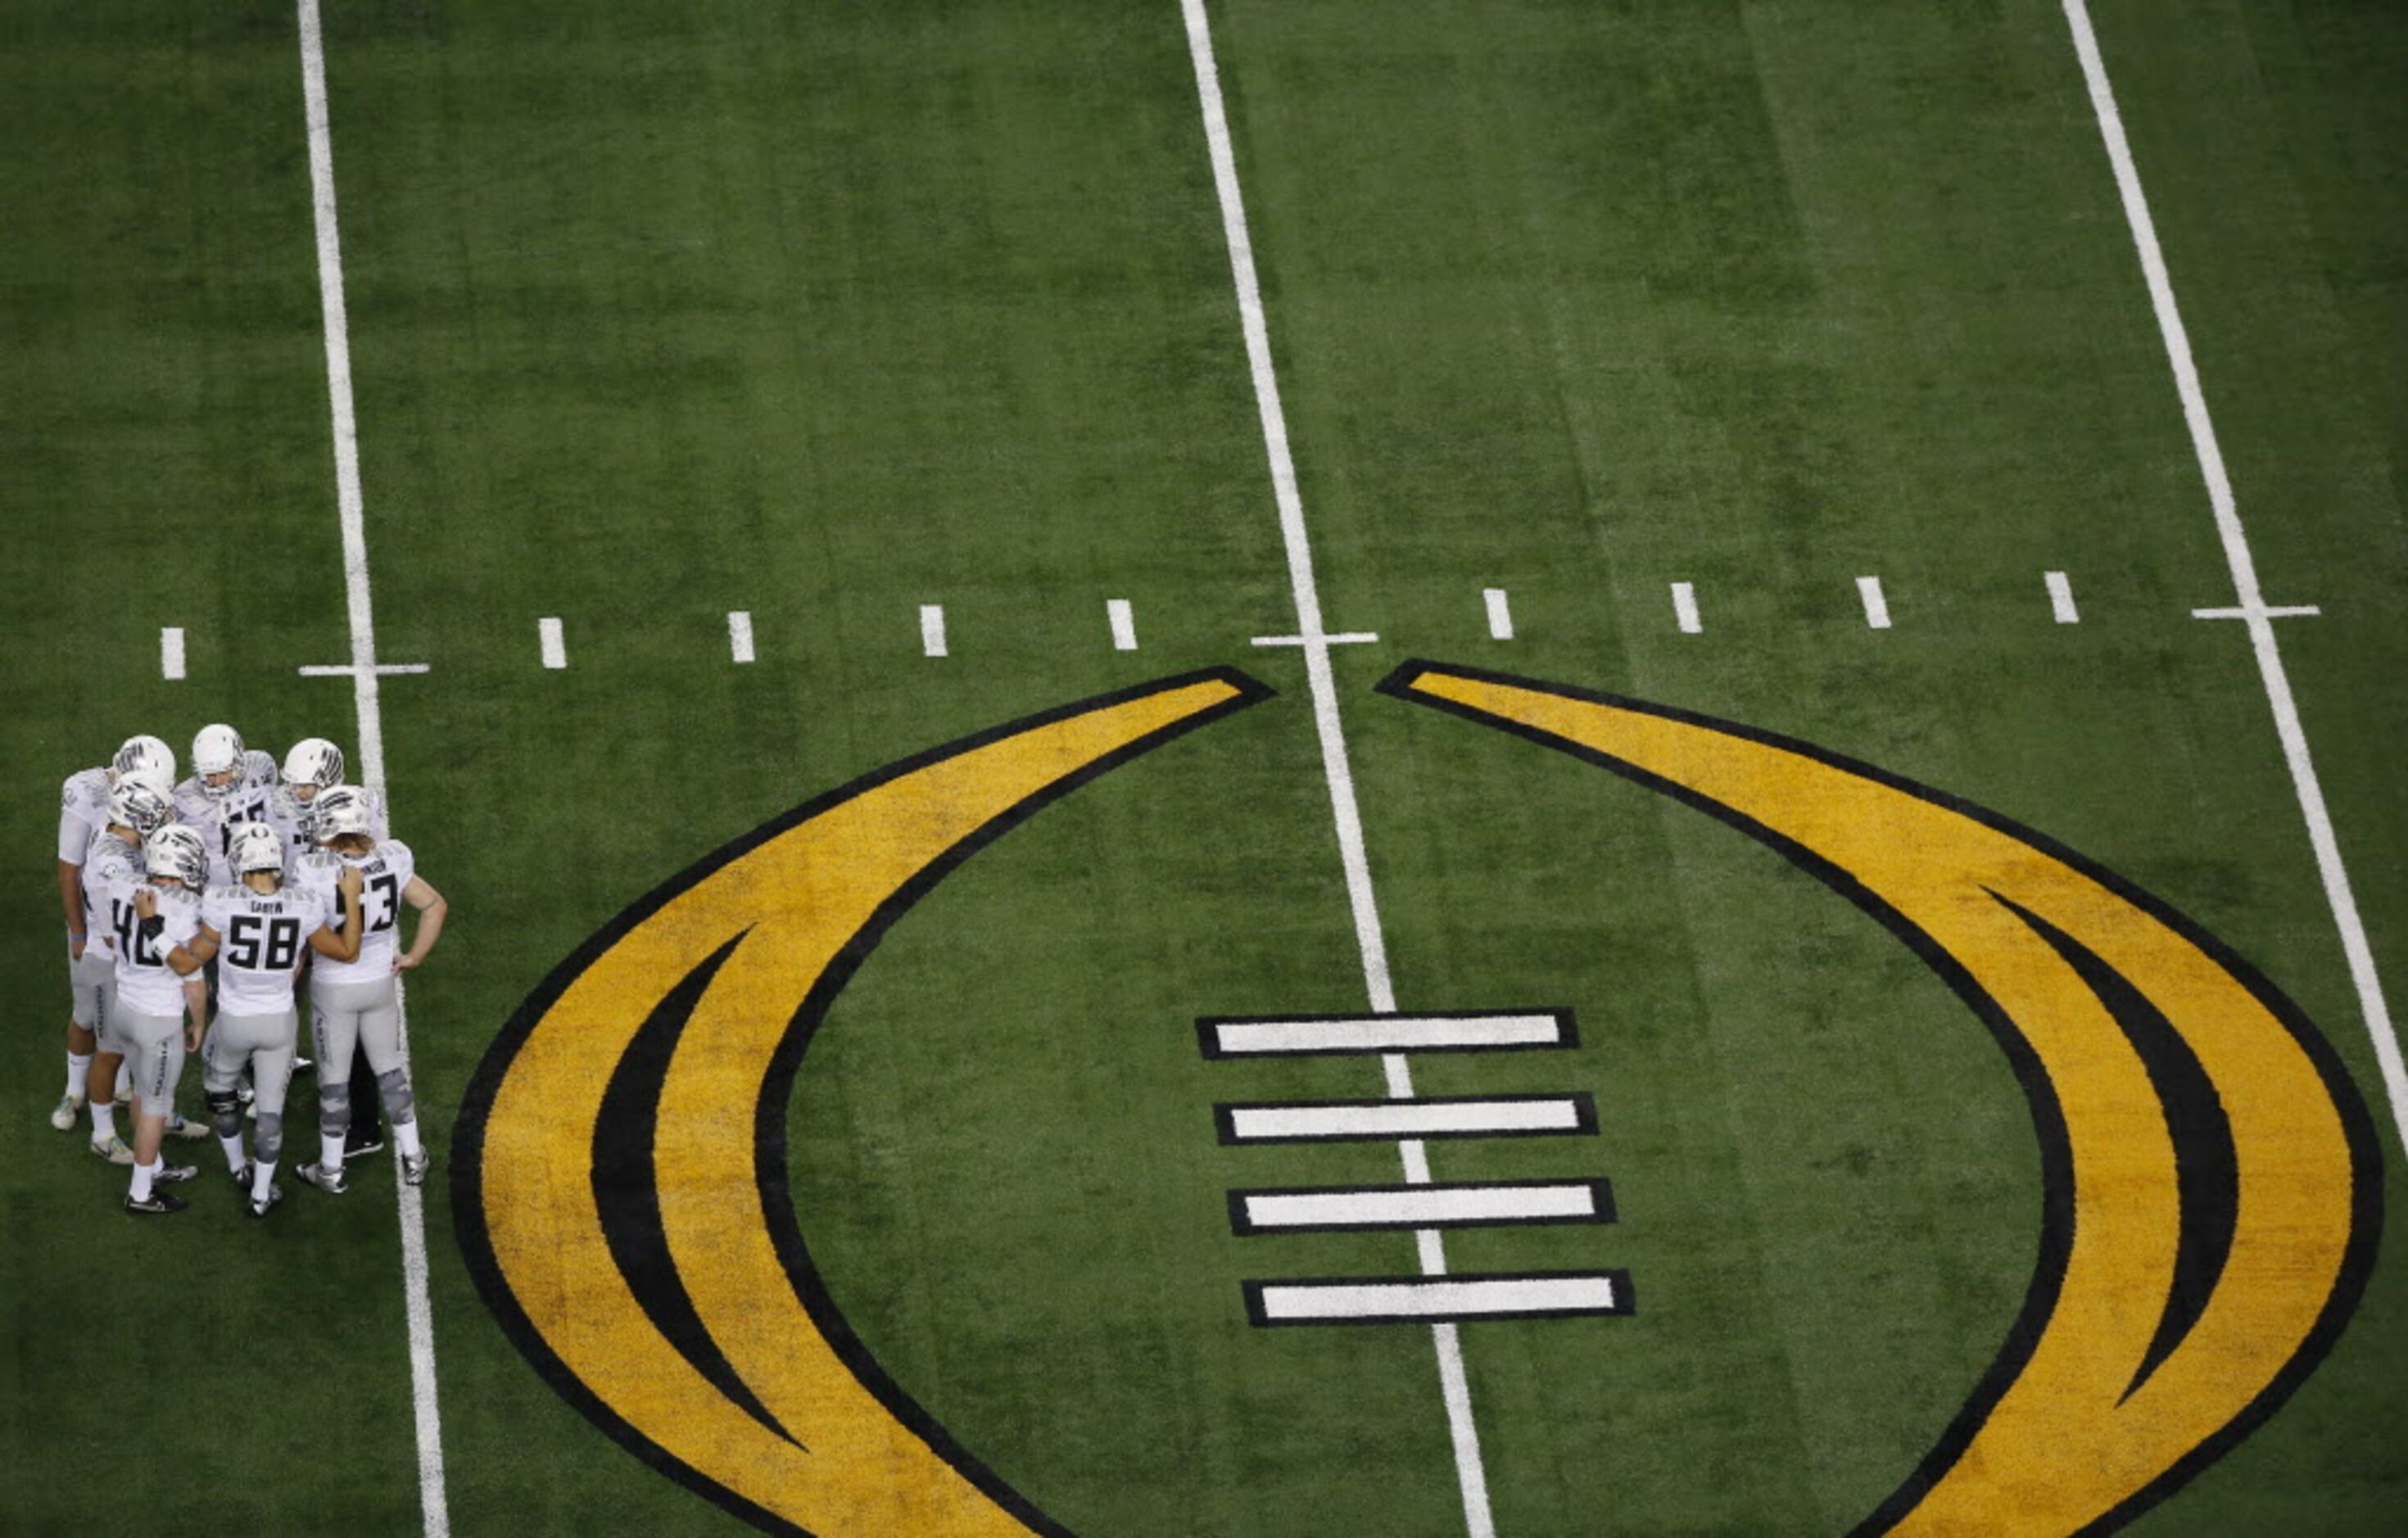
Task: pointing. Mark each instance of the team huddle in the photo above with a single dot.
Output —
(240, 881)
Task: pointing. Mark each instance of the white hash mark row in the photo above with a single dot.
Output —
(552, 636)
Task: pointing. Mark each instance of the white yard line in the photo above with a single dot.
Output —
(171, 652)
(1123, 624)
(1313, 637)
(2253, 609)
(2061, 598)
(1501, 614)
(426, 1415)
(739, 634)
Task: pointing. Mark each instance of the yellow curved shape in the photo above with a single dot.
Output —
(808, 903)
(2073, 1440)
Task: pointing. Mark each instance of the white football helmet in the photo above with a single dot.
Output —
(257, 846)
(177, 851)
(144, 755)
(313, 762)
(136, 801)
(217, 749)
(337, 811)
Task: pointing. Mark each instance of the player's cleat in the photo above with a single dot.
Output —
(259, 1208)
(170, 1174)
(184, 1127)
(328, 1181)
(112, 1149)
(372, 1144)
(156, 1204)
(242, 1177)
(413, 1167)
(305, 1065)
(68, 1112)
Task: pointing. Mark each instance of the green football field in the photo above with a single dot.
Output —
(1776, 388)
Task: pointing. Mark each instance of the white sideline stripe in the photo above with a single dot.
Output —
(1519, 1295)
(1391, 1033)
(425, 1415)
(1501, 614)
(555, 647)
(1471, 1477)
(2061, 598)
(1877, 606)
(1390, 1208)
(932, 629)
(171, 652)
(2287, 725)
(1405, 1119)
(1684, 608)
(739, 634)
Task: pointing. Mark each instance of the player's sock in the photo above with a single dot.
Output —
(405, 1134)
(104, 1120)
(79, 1071)
(263, 1176)
(330, 1152)
(143, 1175)
(236, 1159)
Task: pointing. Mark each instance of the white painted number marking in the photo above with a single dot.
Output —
(1388, 1033)
(1877, 606)
(1469, 1298)
(426, 1416)
(2288, 726)
(171, 652)
(1684, 608)
(932, 629)
(555, 646)
(2060, 599)
(1312, 632)
(1124, 623)
(1500, 614)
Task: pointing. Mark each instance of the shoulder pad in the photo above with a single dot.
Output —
(91, 784)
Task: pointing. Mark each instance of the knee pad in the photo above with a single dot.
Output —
(225, 1112)
(394, 1087)
(334, 1107)
(269, 1139)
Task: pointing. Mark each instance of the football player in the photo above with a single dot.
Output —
(157, 1016)
(314, 764)
(83, 818)
(230, 785)
(138, 808)
(354, 1004)
(255, 931)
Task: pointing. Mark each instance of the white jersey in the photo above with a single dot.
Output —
(145, 984)
(108, 862)
(261, 941)
(291, 819)
(83, 812)
(249, 799)
(384, 871)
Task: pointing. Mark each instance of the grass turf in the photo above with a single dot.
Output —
(661, 310)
